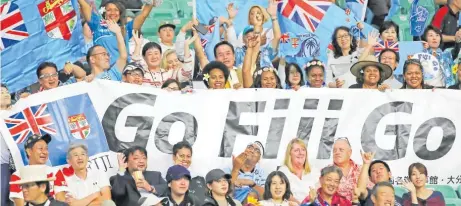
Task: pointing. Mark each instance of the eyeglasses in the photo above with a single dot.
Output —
(345, 36)
(103, 53)
(254, 149)
(47, 76)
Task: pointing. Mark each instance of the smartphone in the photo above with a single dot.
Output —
(201, 28)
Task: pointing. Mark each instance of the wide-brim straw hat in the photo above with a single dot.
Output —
(371, 60)
(33, 173)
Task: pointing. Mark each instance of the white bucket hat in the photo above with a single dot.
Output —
(32, 173)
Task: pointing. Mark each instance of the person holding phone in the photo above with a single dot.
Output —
(132, 180)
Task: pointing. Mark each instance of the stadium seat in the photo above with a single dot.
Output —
(399, 191)
(452, 201)
(446, 190)
(459, 191)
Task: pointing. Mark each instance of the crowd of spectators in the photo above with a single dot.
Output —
(117, 51)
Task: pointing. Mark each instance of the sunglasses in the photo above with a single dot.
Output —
(343, 138)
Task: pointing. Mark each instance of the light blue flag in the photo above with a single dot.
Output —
(358, 7)
(212, 39)
(35, 33)
(72, 119)
(207, 9)
(407, 48)
(300, 45)
(418, 19)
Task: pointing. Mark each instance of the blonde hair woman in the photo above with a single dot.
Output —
(298, 170)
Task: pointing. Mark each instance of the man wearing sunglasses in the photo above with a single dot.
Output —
(133, 74)
(248, 177)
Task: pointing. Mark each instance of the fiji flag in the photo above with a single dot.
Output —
(34, 31)
(210, 39)
(308, 26)
(358, 7)
(381, 45)
(66, 120)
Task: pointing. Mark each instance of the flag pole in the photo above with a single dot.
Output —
(194, 9)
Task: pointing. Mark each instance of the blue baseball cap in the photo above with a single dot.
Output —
(247, 30)
(176, 172)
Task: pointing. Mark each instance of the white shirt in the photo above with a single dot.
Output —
(79, 188)
(340, 68)
(300, 187)
(271, 203)
(233, 77)
(165, 47)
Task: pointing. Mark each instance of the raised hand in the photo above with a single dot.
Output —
(113, 26)
(312, 194)
(137, 39)
(409, 186)
(231, 11)
(122, 164)
(272, 8)
(253, 41)
(373, 38)
(367, 157)
(237, 162)
(191, 40)
(68, 69)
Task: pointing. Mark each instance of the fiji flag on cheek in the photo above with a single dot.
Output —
(66, 120)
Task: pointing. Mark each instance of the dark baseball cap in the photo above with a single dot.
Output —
(215, 175)
(176, 172)
(132, 66)
(166, 24)
(31, 140)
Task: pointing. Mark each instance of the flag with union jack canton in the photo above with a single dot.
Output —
(308, 25)
(66, 120)
(35, 31)
(358, 7)
(12, 25)
(381, 45)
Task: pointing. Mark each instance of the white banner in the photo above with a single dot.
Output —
(402, 126)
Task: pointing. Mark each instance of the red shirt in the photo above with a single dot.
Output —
(56, 186)
(336, 200)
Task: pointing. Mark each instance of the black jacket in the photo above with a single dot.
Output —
(125, 192)
(210, 201)
(189, 200)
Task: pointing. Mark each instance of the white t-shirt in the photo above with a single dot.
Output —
(271, 203)
(300, 187)
(79, 188)
(340, 68)
(165, 47)
(56, 186)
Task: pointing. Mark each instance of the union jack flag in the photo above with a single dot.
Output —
(12, 26)
(381, 45)
(32, 120)
(306, 13)
(285, 38)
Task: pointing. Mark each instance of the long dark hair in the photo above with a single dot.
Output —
(267, 186)
(229, 199)
(257, 80)
(122, 10)
(336, 49)
(287, 72)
